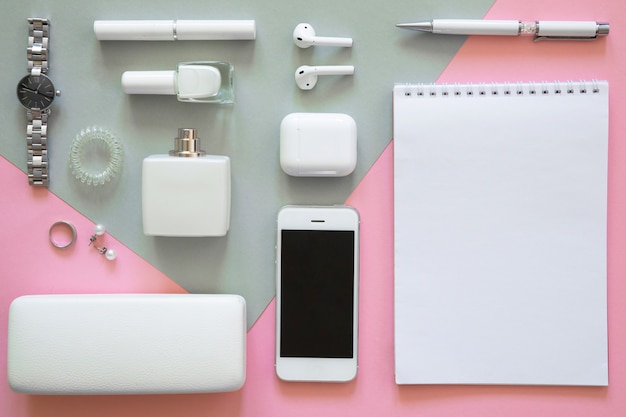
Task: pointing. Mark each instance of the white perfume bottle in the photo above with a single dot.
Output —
(186, 193)
(192, 82)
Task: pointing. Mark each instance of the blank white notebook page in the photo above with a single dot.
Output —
(500, 195)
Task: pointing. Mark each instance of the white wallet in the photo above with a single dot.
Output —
(127, 344)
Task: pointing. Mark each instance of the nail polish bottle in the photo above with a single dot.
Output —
(186, 192)
(192, 82)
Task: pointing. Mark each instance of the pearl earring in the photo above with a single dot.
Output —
(99, 230)
(110, 254)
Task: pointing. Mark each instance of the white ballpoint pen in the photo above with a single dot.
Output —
(547, 29)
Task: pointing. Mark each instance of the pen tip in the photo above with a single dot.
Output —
(421, 26)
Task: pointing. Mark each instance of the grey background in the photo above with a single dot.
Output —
(88, 74)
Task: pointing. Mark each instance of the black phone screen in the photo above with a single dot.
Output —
(317, 293)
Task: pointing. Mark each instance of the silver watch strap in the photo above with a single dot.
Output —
(37, 128)
(37, 51)
(37, 146)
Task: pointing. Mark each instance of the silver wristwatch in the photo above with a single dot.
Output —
(36, 93)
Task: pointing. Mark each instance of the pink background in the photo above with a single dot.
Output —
(30, 266)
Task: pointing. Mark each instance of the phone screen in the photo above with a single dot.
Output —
(317, 293)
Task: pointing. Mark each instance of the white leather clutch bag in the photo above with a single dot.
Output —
(127, 344)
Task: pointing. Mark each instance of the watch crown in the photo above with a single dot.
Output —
(57, 93)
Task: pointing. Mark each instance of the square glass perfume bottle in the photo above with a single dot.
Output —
(186, 192)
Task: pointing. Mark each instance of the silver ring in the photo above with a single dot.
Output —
(67, 225)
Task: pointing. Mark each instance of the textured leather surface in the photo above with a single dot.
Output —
(126, 344)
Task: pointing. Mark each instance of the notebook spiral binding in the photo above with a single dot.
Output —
(504, 89)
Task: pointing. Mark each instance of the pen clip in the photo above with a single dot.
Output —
(569, 31)
(564, 38)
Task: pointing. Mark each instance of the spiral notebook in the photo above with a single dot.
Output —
(500, 233)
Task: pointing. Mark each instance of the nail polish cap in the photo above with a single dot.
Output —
(149, 82)
(189, 82)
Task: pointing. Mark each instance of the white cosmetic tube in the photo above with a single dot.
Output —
(170, 30)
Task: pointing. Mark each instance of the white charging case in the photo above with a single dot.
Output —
(318, 144)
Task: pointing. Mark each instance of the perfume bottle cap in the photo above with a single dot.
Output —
(187, 144)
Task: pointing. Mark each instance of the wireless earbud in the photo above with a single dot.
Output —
(306, 76)
(304, 36)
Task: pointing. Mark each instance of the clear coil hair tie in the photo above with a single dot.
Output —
(96, 156)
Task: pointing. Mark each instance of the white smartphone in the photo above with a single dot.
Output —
(317, 277)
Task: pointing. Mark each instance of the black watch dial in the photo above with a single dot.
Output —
(36, 92)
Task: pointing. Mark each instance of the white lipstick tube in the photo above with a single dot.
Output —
(171, 30)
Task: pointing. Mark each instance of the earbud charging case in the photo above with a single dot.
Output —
(318, 144)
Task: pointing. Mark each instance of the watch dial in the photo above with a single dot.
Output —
(36, 92)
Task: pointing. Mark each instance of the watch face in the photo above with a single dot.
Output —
(35, 92)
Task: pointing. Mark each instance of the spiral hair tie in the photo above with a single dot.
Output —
(96, 156)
